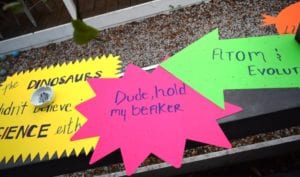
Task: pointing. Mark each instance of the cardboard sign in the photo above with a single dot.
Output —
(144, 113)
(211, 66)
(27, 131)
(286, 21)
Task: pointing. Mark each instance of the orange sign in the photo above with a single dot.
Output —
(286, 21)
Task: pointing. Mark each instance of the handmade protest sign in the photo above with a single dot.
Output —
(286, 21)
(28, 131)
(211, 66)
(144, 113)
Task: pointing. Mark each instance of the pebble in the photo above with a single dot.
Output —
(3, 57)
(15, 54)
(3, 72)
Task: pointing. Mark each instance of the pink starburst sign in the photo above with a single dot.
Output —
(144, 113)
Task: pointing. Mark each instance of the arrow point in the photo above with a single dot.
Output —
(192, 50)
(213, 35)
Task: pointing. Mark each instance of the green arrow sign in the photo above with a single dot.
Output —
(211, 66)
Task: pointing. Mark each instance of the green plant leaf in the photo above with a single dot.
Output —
(83, 33)
(14, 7)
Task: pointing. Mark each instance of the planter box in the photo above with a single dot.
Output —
(263, 111)
(101, 22)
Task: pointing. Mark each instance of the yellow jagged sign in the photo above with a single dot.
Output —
(27, 131)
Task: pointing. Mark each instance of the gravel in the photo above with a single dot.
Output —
(146, 42)
(193, 151)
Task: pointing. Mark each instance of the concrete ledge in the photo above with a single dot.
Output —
(104, 21)
(220, 158)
